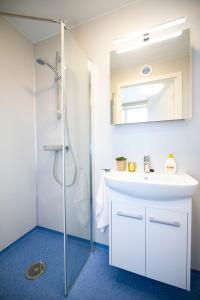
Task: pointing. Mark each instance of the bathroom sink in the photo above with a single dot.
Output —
(152, 185)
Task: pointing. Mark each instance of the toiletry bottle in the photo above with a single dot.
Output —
(170, 165)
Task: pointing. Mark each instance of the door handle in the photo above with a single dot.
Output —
(159, 221)
(138, 217)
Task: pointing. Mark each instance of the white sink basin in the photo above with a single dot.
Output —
(152, 185)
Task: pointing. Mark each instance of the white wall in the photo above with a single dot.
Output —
(49, 193)
(17, 132)
(155, 139)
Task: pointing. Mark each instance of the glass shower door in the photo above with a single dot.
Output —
(77, 160)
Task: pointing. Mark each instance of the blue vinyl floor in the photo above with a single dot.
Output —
(97, 281)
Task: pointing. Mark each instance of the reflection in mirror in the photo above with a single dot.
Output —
(151, 83)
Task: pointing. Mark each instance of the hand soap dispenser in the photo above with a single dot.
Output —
(170, 165)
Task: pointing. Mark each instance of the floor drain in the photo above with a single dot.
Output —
(36, 270)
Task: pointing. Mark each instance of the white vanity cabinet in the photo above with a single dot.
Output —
(128, 237)
(151, 238)
(166, 246)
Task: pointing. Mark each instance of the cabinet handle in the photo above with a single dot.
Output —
(138, 217)
(154, 220)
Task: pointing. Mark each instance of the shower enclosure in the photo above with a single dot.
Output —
(63, 143)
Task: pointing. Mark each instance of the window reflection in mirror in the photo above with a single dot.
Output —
(162, 93)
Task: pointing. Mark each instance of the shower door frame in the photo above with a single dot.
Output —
(63, 112)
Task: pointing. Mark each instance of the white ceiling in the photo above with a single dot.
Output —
(74, 11)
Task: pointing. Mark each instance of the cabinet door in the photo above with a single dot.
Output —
(166, 246)
(128, 237)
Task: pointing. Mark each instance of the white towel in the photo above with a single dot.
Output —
(82, 199)
(102, 205)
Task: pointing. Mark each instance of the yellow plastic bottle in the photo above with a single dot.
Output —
(170, 165)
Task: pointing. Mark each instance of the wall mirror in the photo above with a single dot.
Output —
(153, 82)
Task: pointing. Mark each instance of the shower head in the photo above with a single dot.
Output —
(40, 61)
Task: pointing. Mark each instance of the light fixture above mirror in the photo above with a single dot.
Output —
(151, 40)
(148, 31)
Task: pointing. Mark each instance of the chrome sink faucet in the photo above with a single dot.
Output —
(147, 164)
